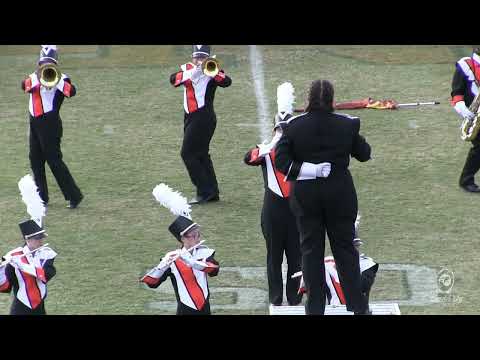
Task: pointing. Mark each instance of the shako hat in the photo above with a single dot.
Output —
(30, 228)
(181, 226)
(48, 54)
(200, 50)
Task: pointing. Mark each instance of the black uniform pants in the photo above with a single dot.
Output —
(18, 308)
(328, 205)
(281, 235)
(45, 137)
(472, 164)
(199, 128)
(183, 309)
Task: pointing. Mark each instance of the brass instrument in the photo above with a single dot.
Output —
(471, 127)
(49, 75)
(211, 67)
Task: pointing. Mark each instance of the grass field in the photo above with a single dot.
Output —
(122, 136)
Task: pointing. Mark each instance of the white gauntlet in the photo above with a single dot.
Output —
(263, 149)
(60, 85)
(187, 258)
(310, 171)
(463, 111)
(197, 73)
(26, 268)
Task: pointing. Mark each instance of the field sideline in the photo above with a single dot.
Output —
(122, 136)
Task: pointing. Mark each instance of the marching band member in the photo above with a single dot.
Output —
(278, 223)
(27, 269)
(46, 129)
(334, 293)
(324, 204)
(199, 121)
(189, 267)
(465, 86)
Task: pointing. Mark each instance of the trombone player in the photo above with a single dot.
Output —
(47, 88)
(200, 79)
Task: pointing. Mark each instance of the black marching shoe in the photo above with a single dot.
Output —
(74, 204)
(473, 188)
(365, 312)
(204, 199)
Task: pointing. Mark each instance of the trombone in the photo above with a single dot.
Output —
(49, 75)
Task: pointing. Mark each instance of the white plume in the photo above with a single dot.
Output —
(285, 98)
(31, 197)
(172, 200)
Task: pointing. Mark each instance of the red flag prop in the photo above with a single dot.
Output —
(369, 103)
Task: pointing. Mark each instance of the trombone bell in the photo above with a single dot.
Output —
(49, 75)
(211, 67)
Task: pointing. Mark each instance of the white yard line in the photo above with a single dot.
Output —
(264, 117)
(256, 66)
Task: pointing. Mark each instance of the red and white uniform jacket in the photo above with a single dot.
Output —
(335, 294)
(44, 101)
(264, 155)
(29, 280)
(464, 87)
(199, 89)
(274, 180)
(189, 279)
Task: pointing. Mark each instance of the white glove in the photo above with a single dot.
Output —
(310, 171)
(170, 256)
(197, 73)
(192, 262)
(187, 258)
(17, 262)
(323, 169)
(264, 148)
(60, 84)
(193, 74)
(463, 111)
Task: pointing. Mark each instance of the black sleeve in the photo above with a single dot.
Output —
(360, 148)
(284, 161)
(251, 158)
(459, 83)
(49, 269)
(73, 92)
(161, 279)
(10, 275)
(213, 261)
(165, 275)
(173, 77)
(225, 82)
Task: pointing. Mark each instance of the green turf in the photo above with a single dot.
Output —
(122, 136)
